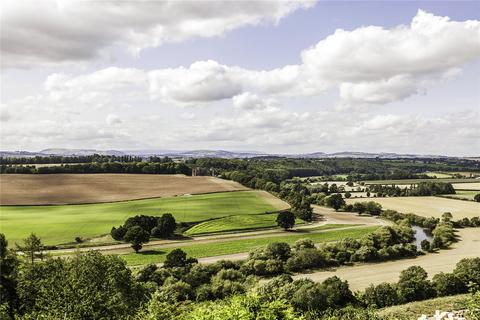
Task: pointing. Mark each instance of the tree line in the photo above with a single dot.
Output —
(104, 167)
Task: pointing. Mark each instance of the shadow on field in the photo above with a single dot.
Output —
(151, 252)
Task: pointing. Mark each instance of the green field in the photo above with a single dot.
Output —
(238, 246)
(62, 223)
(439, 175)
(235, 223)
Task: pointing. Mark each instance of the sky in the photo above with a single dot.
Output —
(270, 76)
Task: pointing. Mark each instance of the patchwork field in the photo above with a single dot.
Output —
(62, 223)
(428, 206)
(463, 194)
(38, 189)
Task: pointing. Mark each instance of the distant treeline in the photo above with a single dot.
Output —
(278, 169)
(427, 188)
(105, 167)
(80, 159)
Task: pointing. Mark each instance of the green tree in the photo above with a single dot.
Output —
(32, 248)
(380, 296)
(166, 226)
(335, 201)
(8, 278)
(468, 270)
(177, 258)
(348, 194)
(447, 216)
(414, 285)
(477, 197)
(137, 237)
(447, 284)
(359, 207)
(286, 220)
(425, 245)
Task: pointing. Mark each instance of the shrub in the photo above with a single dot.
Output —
(137, 237)
(286, 220)
(446, 284)
(380, 296)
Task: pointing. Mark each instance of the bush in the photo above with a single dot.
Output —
(137, 237)
(468, 271)
(286, 220)
(414, 285)
(306, 259)
(383, 295)
(447, 284)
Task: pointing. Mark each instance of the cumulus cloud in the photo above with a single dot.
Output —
(73, 30)
(368, 65)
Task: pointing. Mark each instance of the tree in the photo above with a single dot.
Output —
(359, 207)
(32, 247)
(335, 201)
(447, 284)
(425, 245)
(286, 220)
(414, 285)
(468, 270)
(380, 296)
(137, 237)
(166, 226)
(348, 194)
(8, 278)
(477, 197)
(447, 216)
(177, 258)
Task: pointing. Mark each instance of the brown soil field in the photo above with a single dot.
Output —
(41, 189)
(361, 276)
(428, 206)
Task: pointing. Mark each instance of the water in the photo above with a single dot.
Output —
(420, 235)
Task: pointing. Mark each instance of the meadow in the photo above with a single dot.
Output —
(428, 206)
(462, 194)
(43, 189)
(236, 223)
(62, 223)
(467, 186)
(321, 234)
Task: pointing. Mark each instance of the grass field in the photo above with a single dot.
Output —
(35, 189)
(245, 245)
(428, 206)
(413, 310)
(235, 223)
(62, 223)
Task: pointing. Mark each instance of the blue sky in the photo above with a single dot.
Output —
(270, 76)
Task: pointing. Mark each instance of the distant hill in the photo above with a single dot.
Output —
(209, 153)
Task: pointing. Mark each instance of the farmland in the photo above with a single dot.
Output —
(321, 234)
(38, 189)
(415, 181)
(428, 206)
(467, 186)
(62, 223)
(235, 223)
(361, 276)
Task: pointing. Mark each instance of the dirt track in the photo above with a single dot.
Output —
(359, 277)
(36, 189)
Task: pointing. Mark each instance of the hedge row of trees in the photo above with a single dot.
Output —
(138, 229)
(426, 188)
(96, 286)
(104, 167)
(69, 159)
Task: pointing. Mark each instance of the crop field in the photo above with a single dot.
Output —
(467, 186)
(319, 235)
(39, 189)
(439, 175)
(236, 223)
(62, 223)
(428, 206)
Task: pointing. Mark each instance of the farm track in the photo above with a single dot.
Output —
(329, 217)
(361, 276)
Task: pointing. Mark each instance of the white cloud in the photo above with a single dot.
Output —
(113, 119)
(369, 65)
(74, 30)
